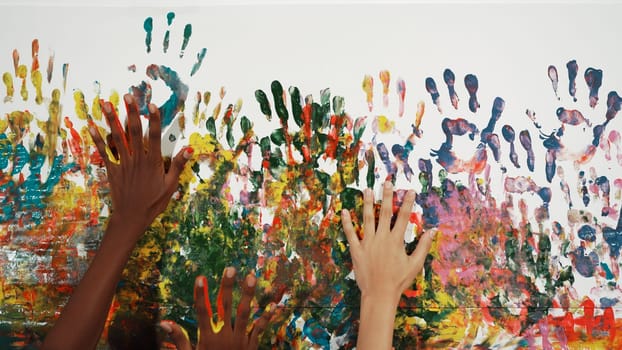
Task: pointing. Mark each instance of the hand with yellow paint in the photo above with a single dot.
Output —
(222, 333)
(141, 189)
(139, 185)
(382, 268)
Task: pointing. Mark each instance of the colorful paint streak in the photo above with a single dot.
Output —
(505, 272)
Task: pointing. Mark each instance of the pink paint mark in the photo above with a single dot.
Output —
(605, 146)
(586, 156)
(401, 93)
(543, 327)
(571, 117)
(614, 140)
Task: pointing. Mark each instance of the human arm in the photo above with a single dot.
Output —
(232, 336)
(140, 190)
(382, 268)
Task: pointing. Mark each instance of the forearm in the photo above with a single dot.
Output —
(377, 322)
(83, 317)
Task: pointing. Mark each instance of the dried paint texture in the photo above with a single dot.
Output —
(506, 271)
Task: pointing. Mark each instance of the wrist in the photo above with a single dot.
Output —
(380, 301)
(377, 321)
(123, 230)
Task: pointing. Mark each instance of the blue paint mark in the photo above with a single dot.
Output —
(587, 233)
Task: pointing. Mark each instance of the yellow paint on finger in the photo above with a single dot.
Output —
(217, 326)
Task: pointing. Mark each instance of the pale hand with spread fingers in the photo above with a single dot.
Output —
(382, 268)
(234, 336)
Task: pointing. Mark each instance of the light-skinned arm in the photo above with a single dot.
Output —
(382, 268)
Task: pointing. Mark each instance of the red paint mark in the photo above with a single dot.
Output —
(336, 122)
(413, 293)
(590, 322)
(35, 55)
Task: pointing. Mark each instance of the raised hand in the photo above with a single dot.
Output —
(223, 333)
(139, 185)
(140, 190)
(382, 268)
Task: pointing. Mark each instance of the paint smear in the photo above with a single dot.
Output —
(552, 72)
(450, 79)
(573, 70)
(368, 88)
(430, 86)
(472, 85)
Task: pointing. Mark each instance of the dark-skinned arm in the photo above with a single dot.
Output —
(140, 190)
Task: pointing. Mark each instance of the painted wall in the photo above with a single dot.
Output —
(502, 116)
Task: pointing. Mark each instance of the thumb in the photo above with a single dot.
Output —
(177, 166)
(421, 252)
(177, 334)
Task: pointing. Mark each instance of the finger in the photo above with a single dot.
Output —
(225, 295)
(155, 133)
(403, 216)
(116, 130)
(259, 326)
(421, 252)
(386, 210)
(369, 217)
(134, 126)
(202, 305)
(177, 166)
(244, 307)
(100, 145)
(177, 334)
(348, 229)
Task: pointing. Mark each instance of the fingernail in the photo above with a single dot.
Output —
(271, 307)
(200, 282)
(166, 326)
(388, 184)
(432, 233)
(251, 280)
(344, 212)
(92, 130)
(229, 272)
(410, 194)
(128, 99)
(188, 151)
(367, 192)
(107, 108)
(152, 108)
